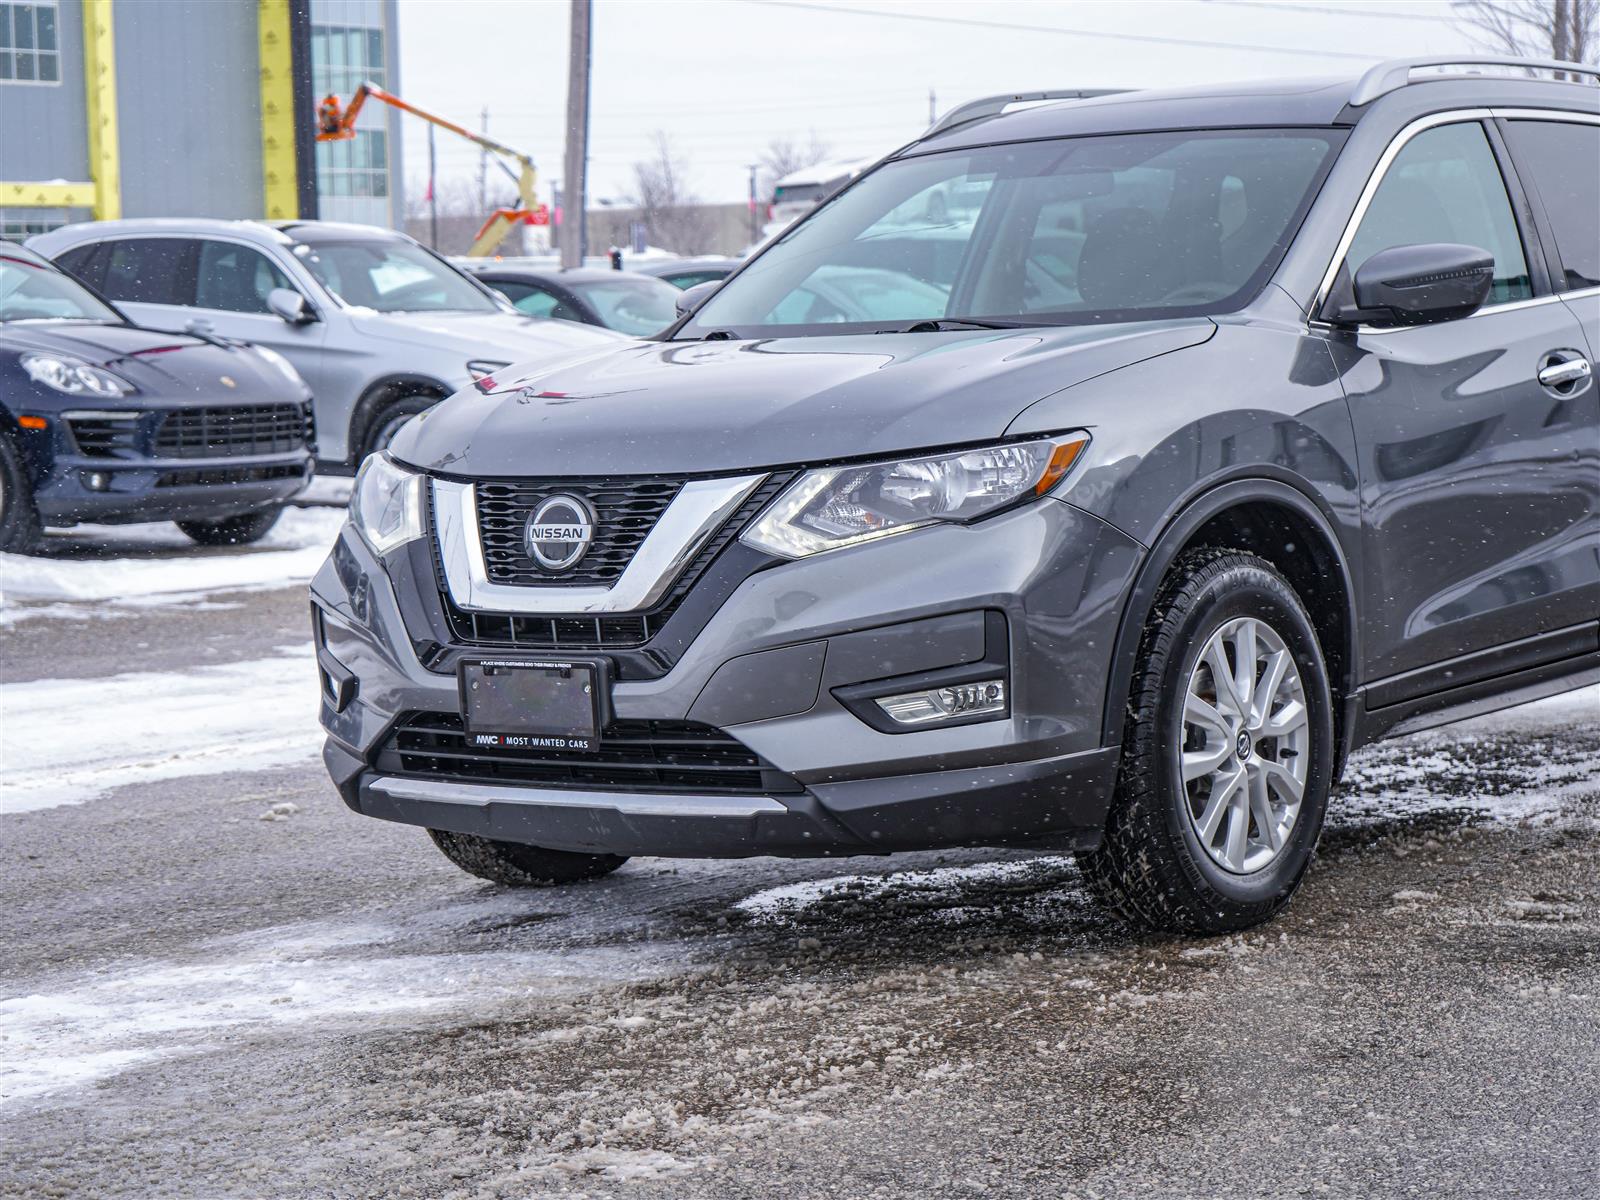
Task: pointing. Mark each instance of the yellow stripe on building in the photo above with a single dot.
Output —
(279, 171)
(100, 92)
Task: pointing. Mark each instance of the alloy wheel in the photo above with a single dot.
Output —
(1245, 748)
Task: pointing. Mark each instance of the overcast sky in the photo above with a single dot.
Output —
(723, 78)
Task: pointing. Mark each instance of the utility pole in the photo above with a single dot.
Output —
(483, 167)
(755, 219)
(574, 236)
(433, 194)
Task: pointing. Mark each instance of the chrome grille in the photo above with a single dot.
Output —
(608, 631)
(625, 510)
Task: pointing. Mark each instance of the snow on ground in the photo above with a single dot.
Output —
(775, 903)
(1516, 765)
(101, 570)
(328, 973)
(65, 741)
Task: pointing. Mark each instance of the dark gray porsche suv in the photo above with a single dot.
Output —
(1212, 434)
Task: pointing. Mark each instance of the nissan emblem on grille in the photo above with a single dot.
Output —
(559, 531)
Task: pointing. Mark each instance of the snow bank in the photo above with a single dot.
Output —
(65, 741)
(156, 564)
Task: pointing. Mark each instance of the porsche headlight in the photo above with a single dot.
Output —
(283, 365)
(386, 503)
(73, 377)
(842, 506)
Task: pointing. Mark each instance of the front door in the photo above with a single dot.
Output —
(231, 285)
(1479, 498)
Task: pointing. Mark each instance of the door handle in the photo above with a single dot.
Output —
(1559, 374)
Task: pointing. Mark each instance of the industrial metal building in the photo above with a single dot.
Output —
(193, 108)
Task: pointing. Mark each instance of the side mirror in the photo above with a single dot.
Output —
(690, 299)
(291, 306)
(1419, 285)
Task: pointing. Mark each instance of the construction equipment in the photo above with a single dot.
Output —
(338, 124)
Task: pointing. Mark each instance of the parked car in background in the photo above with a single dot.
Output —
(103, 421)
(685, 273)
(626, 301)
(1111, 519)
(379, 326)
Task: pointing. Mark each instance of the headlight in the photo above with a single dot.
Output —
(73, 377)
(841, 506)
(482, 368)
(285, 367)
(386, 503)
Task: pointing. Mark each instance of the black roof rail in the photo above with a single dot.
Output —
(993, 106)
(1395, 74)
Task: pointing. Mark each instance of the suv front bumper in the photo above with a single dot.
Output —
(767, 668)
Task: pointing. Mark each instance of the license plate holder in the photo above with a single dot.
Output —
(546, 704)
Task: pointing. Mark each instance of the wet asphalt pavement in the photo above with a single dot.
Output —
(227, 985)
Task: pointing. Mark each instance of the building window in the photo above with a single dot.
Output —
(343, 58)
(16, 229)
(30, 51)
(358, 167)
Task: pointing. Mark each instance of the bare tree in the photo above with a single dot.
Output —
(675, 217)
(784, 157)
(1568, 30)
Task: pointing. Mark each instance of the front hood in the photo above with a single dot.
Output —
(701, 407)
(166, 365)
(498, 336)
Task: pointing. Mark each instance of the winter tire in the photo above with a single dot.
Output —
(386, 422)
(1227, 756)
(517, 865)
(233, 531)
(19, 519)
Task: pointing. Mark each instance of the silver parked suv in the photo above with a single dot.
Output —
(377, 325)
(1216, 433)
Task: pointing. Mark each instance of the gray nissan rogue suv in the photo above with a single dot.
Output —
(1216, 433)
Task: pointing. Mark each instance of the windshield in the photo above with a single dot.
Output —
(29, 292)
(1123, 227)
(637, 306)
(392, 277)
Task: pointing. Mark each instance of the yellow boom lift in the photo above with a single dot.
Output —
(336, 124)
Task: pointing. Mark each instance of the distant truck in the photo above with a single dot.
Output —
(798, 192)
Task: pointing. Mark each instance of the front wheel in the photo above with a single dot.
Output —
(518, 865)
(388, 420)
(233, 531)
(1227, 753)
(19, 519)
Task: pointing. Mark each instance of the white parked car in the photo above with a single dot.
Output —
(379, 326)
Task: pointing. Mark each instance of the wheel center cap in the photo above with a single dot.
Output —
(1243, 744)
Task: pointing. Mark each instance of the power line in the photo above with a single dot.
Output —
(974, 22)
(1367, 12)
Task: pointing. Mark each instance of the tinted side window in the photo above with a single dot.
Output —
(1564, 160)
(81, 261)
(1444, 186)
(150, 271)
(235, 278)
(535, 302)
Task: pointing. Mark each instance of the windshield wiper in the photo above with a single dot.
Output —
(941, 324)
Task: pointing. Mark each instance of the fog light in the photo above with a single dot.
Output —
(984, 698)
(95, 481)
